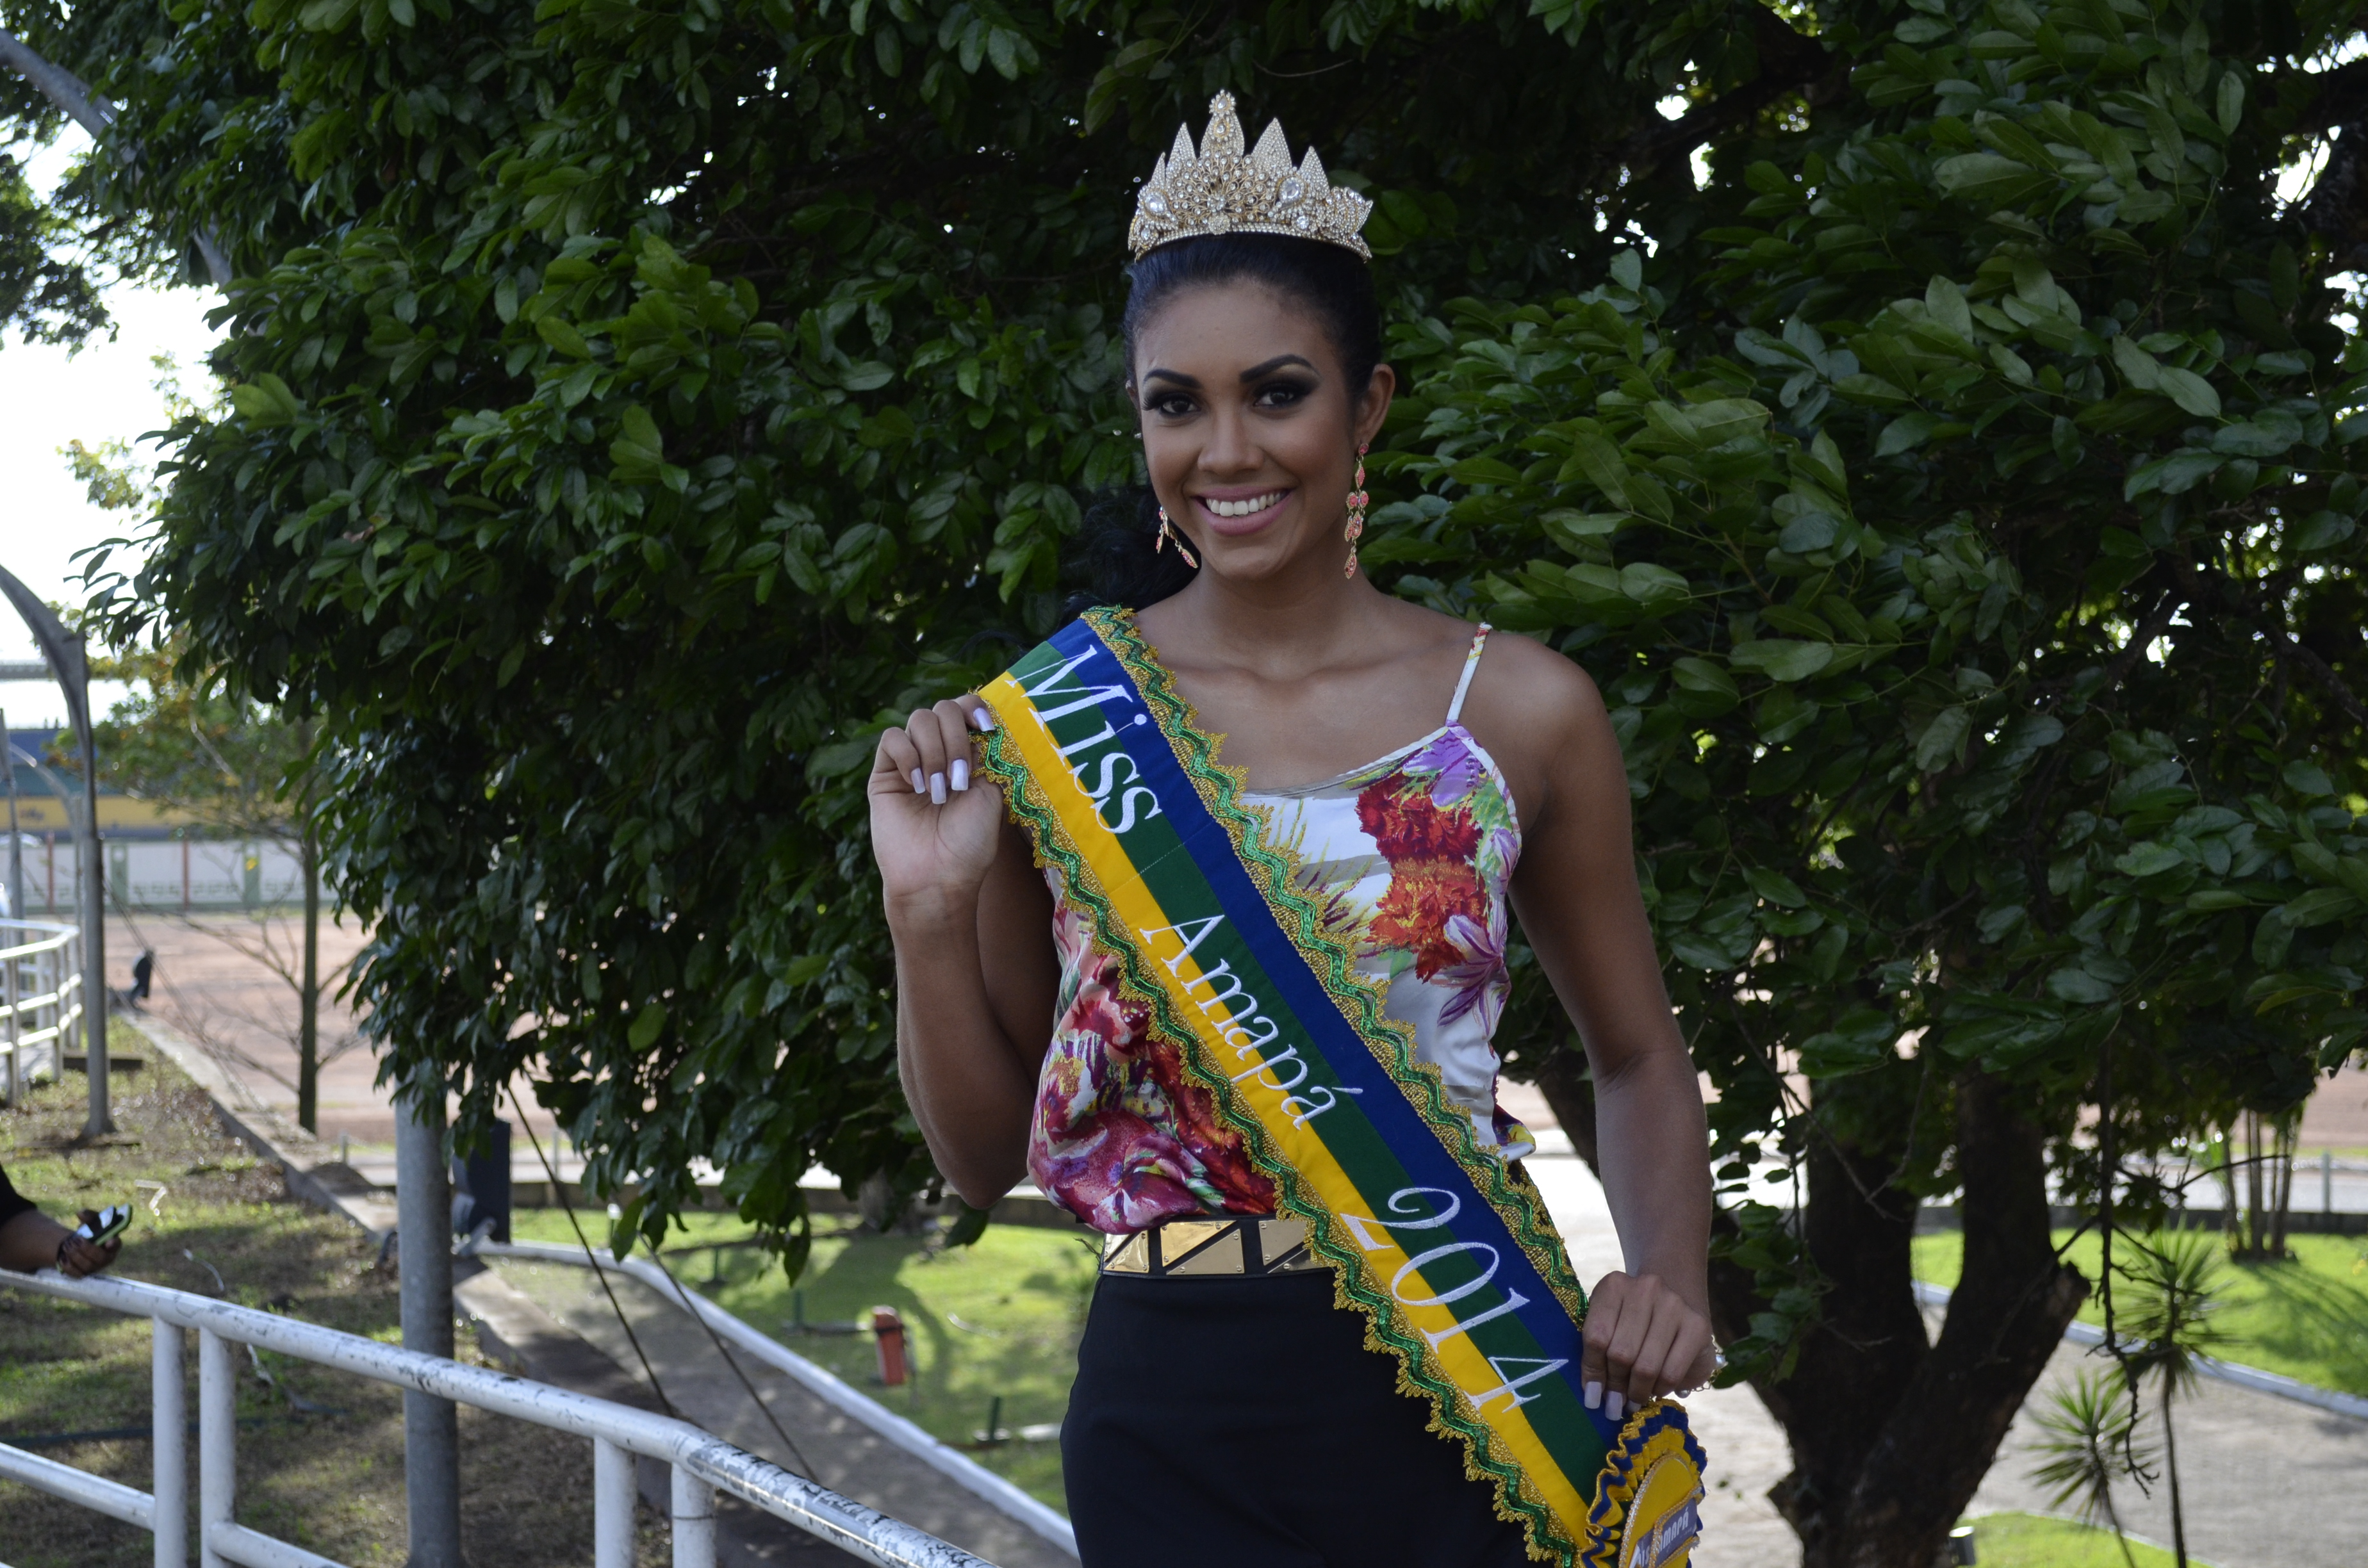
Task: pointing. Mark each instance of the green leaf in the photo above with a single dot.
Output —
(1905, 434)
(2137, 367)
(1693, 674)
(2320, 905)
(648, 1024)
(2073, 984)
(562, 337)
(1943, 740)
(2191, 392)
(1782, 659)
(1987, 180)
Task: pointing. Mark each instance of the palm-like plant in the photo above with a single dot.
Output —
(2091, 1440)
(2173, 1291)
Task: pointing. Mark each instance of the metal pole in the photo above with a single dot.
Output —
(431, 1432)
(612, 1506)
(69, 661)
(93, 930)
(694, 1521)
(171, 1434)
(217, 1431)
(16, 851)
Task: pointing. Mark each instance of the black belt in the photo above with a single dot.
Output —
(1235, 1246)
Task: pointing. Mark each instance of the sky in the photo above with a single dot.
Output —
(48, 398)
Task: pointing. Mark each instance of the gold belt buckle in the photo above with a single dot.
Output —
(1247, 1246)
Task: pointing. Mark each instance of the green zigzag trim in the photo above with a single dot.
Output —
(1516, 1203)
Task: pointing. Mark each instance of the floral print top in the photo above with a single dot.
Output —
(1409, 857)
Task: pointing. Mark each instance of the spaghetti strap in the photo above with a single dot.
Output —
(1471, 663)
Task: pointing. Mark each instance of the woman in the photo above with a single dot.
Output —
(1240, 1020)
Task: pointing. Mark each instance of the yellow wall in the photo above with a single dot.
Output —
(45, 813)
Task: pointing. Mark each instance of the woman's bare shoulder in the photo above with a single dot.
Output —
(1523, 681)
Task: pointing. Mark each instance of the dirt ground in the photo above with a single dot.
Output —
(320, 1452)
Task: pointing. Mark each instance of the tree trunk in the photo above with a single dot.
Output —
(2171, 1465)
(1892, 1436)
(307, 1027)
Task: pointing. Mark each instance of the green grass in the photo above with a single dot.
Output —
(998, 1318)
(2306, 1318)
(2032, 1541)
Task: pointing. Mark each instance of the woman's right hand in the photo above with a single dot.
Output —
(935, 828)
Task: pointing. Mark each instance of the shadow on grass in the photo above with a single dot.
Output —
(2310, 1318)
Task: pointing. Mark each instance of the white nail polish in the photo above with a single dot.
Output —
(1614, 1404)
(961, 771)
(920, 785)
(984, 719)
(1594, 1396)
(936, 789)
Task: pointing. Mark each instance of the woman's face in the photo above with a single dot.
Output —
(1249, 429)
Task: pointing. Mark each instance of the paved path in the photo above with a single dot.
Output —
(2267, 1483)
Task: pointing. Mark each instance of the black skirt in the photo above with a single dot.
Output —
(1241, 1423)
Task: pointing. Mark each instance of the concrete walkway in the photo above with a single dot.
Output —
(2266, 1483)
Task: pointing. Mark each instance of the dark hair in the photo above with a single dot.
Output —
(1112, 553)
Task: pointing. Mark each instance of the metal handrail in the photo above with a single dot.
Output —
(55, 965)
(701, 1462)
(964, 1471)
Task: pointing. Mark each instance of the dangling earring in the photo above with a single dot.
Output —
(1357, 498)
(1166, 532)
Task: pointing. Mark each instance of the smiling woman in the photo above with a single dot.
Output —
(1242, 1020)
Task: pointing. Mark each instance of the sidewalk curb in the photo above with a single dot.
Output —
(313, 1174)
(2253, 1378)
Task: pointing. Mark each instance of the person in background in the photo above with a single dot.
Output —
(31, 1240)
(142, 971)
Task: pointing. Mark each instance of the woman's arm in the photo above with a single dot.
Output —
(975, 976)
(1649, 1327)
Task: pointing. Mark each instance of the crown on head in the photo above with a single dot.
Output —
(1219, 190)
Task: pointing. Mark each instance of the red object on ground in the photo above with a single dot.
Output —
(888, 1333)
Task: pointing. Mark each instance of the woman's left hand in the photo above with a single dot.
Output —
(1643, 1341)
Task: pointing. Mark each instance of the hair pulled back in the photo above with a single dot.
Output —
(1113, 551)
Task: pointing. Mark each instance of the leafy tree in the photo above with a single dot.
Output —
(240, 770)
(1952, 489)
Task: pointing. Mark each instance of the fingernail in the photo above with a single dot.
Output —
(1595, 1396)
(1614, 1404)
(984, 719)
(920, 785)
(961, 771)
(936, 789)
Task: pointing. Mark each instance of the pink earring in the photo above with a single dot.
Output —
(1167, 532)
(1357, 499)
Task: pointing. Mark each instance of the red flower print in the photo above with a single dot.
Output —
(1413, 915)
(1407, 824)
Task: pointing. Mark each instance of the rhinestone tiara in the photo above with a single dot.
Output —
(1218, 191)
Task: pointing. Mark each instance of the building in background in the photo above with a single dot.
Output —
(156, 860)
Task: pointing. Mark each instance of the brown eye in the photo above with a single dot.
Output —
(1280, 394)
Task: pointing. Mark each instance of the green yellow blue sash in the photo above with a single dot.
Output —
(1448, 1255)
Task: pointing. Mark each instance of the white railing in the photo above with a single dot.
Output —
(702, 1463)
(41, 996)
(957, 1467)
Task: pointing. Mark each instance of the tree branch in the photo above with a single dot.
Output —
(2324, 99)
(58, 85)
(2219, 593)
(97, 116)
(1787, 61)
